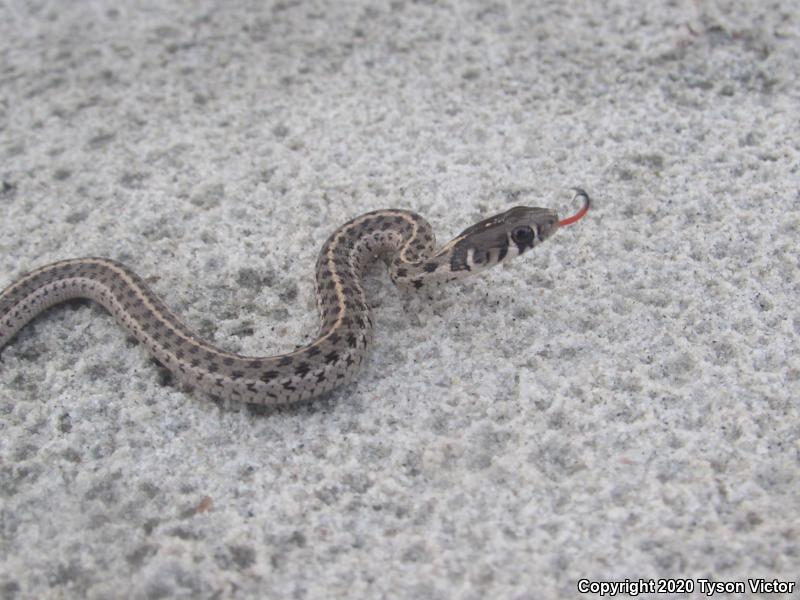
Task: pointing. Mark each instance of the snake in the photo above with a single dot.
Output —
(401, 238)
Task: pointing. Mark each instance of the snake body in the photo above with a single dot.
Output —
(403, 239)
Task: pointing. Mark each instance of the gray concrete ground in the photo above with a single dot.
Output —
(622, 404)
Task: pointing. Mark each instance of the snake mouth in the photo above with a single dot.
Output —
(547, 225)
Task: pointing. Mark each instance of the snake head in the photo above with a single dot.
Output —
(501, 237)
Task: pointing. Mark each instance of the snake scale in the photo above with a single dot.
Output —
(403, 239)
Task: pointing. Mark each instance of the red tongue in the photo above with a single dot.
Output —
(587, 202)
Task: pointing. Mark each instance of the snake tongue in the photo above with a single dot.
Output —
(587, 202)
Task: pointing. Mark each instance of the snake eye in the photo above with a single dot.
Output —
(522, 236)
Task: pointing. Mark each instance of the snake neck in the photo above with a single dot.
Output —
(402, 239)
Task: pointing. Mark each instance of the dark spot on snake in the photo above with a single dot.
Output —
(287, 385)
(251, 387)
(351, 340)
(402, 272)
(334, 339)
(236, 374)
(227, 361)
(331, 357)
(268, 376)
(313, 351)
(212, 367)
(254, 364)
(321, 376)
(430, 267)
(503, 251)
(417, 283)
(285, 361)
(302, 369)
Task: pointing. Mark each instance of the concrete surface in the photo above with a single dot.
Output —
(623, 404)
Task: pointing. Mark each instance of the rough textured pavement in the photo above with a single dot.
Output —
(622, 404)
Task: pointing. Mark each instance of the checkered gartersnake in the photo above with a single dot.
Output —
(402, 238)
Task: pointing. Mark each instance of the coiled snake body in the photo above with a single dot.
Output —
(403, 239)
